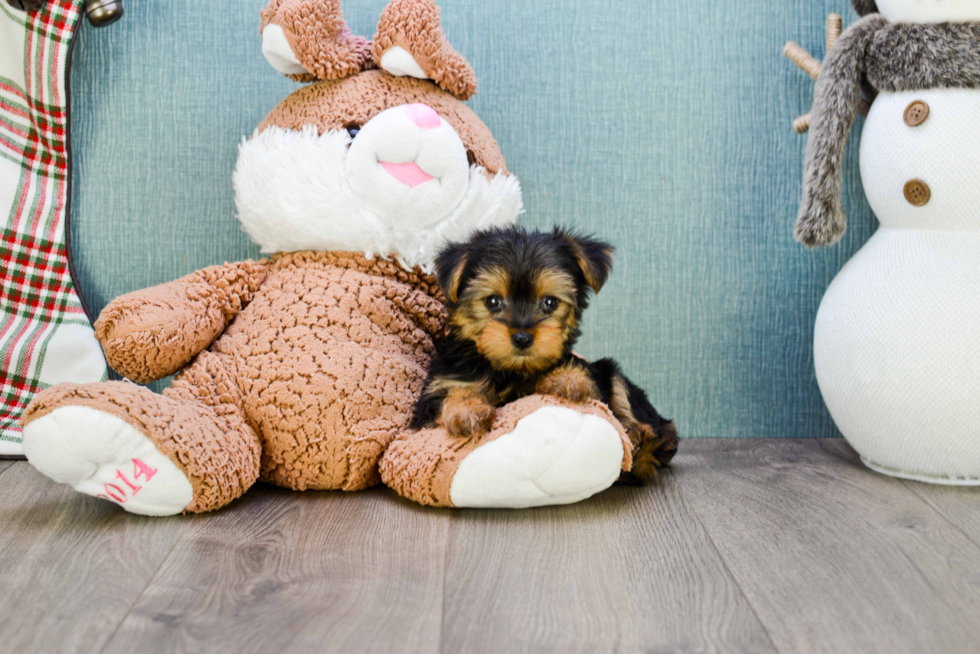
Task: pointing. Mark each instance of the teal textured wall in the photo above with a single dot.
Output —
(661, 125)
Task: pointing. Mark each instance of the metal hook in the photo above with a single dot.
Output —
(102, 13)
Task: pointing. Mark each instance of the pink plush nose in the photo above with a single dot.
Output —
(423, 115)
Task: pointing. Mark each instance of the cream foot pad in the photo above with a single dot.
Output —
(541, 451)
(556, 455)
(103, 456)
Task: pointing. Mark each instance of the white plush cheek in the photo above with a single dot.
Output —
(943, 152)
(930, 11)
(291, 194)
(443, 155)
(402, 200)
(389, 136)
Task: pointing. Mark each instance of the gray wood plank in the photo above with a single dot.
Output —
(630, 570)
(6, 463)
(72, 565)
(298, 572)
(833, 557)
(960, 505)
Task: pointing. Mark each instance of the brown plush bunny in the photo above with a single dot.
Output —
(302, 369)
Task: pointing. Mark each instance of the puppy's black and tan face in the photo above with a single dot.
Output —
(519, 296)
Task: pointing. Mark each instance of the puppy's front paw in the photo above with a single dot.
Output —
(467, 416)
(569, 383)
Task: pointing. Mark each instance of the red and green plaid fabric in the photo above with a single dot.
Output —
(41, 315)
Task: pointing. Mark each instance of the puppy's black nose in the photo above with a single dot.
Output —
(522, 340)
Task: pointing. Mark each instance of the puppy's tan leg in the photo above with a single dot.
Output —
(466, 412)
(569, 382)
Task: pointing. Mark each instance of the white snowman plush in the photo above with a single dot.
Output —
(897, 338)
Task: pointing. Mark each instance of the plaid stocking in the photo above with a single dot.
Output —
(45, 335)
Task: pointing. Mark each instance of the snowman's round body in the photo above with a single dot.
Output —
(897, 339)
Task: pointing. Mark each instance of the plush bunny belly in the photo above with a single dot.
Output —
(897, 354)
(942, 151)
(330, 357)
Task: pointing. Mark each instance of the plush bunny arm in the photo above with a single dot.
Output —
(152, 333)
(838, 93)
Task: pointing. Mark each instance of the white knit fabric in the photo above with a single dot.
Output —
(897, 353)
(943, 152)
(930, 11)
(897, 340)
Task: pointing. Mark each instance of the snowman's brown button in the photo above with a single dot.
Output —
(917, 193)
(916, 113)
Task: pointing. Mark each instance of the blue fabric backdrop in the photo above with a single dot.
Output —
(662, 125)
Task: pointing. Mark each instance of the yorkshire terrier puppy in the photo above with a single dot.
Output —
(516, 300)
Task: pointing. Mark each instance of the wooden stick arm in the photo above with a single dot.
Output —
(803, 59)
(835, 27)
(809, 64)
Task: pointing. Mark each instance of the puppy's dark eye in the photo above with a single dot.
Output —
(494, 302)
(352, 129)
(549, 303)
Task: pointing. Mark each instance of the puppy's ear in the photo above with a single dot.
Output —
(594, 257)
(450, 266)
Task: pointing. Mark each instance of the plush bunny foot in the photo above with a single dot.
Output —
(101, 455)
(541, 451)
(188, 450)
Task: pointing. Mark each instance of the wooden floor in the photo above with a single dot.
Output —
(748, 546)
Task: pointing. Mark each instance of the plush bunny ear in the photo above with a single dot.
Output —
(308, 40)
(410, 42)
(865, 7)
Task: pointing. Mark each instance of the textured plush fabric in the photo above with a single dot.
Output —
(420, 465)
(320, 39)
(317, 374)
(902, 57)
(332, 345)
(865, 7)
(821, 219)
(890, 57)
(415, 26)
(292, 193)
(310, 178)
(198, 424)
(149, 334)
(356, 100)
